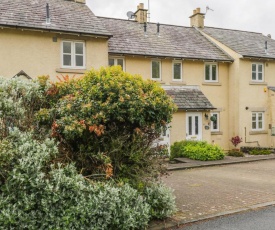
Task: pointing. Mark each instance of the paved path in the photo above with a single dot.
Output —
(206, 192)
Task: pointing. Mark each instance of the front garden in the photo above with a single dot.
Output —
(77, 154)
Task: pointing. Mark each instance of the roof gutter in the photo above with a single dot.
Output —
(75, 33)
(259, 58)
(170, 57)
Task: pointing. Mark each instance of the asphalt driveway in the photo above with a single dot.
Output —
(211, 191)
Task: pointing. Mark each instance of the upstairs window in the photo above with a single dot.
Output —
(177, 71)
(117, 61)
(257, 121)
(257, 72)
(73, 54)
(156, 70)
(211, 72)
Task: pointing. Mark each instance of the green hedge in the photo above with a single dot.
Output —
(235, 153)
(247, 149)
(196, 150)
(259, 152)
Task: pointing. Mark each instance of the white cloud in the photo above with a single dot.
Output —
(250, 15)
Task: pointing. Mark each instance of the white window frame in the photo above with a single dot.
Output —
(176, 62)
(156, 79)
(257, 71)
(115, 61)
(73, 55)
(218, 122)
(210, 74)
(257, 121)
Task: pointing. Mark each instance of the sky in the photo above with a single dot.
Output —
(248, 15)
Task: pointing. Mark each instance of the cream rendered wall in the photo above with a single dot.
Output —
(257, 98)
(37, 54)
(193, 74)
(246, 97)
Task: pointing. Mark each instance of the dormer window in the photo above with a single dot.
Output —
(73, 54)
(258, 72)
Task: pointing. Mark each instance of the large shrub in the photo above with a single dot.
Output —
(108, 119)
(161, 200)
(19, 101)
(197, 150)
(41, 194)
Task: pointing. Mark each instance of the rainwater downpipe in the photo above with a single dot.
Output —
(249, 142)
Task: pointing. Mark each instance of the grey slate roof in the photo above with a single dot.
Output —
(66, 16)
(190, 99)
(174, 41)
(248, 44)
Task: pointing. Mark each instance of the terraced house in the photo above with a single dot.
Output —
(222, 80)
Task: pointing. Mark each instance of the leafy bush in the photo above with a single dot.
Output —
(19, 101)
(39, 194)
(235, 153)
(107, 118)
(197, 150)
(161, 200)
(247, 149)
(177, 149)
(259, 152)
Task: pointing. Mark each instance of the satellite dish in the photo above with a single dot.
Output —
(130, 15)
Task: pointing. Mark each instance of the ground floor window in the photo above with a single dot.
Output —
(215, 122)
(116, 61)
(257, 120)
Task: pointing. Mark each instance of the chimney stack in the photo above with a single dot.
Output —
(197, 19)
(141, 14)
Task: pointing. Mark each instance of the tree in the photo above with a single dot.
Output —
(106, 121)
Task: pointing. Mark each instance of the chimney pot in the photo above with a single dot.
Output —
(197, 19)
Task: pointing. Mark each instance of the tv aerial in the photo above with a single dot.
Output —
(207, 9)
(130, 15)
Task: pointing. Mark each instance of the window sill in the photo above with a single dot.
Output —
(257, 83)
(212, 83)
(159, 81)
(77, 71)
(177, 83)
(258, 132)
(216, 133)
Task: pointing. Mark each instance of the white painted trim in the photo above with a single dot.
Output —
(160, 68)
(193, 136)
(257, 71)
(218, 122)
(257, 121)
(73, 55)
(181, 71)
(115, 60)
(217, 71)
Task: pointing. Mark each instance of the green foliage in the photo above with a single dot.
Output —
(161, 200)
(107, 117)
(197, 150)
(247, 149)
(19, 101)
(235, 153)
(38, 194)
(259, 152)
(177, 149)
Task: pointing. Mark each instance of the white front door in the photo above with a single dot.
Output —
(194, 126)
(164, 138)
